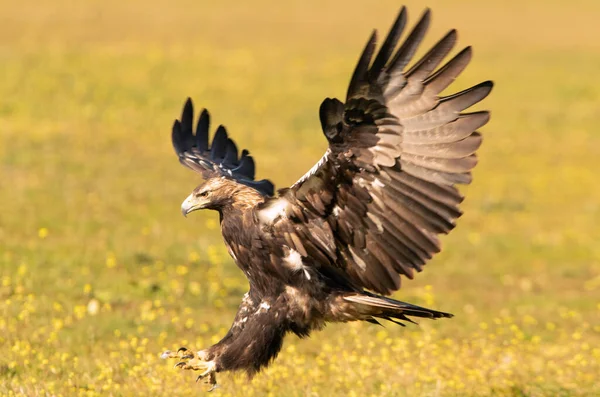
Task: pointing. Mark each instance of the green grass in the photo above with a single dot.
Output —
(99, 272)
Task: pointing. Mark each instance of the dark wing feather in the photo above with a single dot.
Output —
(386, 185)
(218, 159)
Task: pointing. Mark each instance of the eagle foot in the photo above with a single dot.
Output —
(196, 362)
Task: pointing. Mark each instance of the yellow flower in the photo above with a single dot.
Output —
(43, 233)
(181, 270)
(111, 260)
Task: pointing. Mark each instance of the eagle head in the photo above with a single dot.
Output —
(219, 193)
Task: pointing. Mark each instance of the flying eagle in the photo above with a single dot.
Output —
(331, 246)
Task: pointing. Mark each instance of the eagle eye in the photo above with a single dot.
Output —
(203, 194)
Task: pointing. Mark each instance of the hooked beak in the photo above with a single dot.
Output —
(190, 204)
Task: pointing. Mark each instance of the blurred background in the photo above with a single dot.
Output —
(100, 272)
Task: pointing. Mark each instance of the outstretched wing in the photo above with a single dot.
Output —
(220, 158)
(385, 188)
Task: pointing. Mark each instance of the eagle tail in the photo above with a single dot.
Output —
(373, 306)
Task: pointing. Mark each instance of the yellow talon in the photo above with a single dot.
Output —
(191, 360)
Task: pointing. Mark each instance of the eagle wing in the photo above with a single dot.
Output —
(220, 158)
(374, 205)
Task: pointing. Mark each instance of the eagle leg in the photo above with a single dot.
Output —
(197, 362)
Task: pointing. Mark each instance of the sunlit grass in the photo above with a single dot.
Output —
(99, 273)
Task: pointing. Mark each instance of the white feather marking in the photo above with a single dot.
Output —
(337, 210)
(377, 183)
(306, 274)
(377, 201)
(294, 261)
(240, 322)
(231, 253)
(275, 210)
(376, 221)
(358, 259)
(264, 307)
(361, 182)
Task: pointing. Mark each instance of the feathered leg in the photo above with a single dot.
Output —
(254, 340)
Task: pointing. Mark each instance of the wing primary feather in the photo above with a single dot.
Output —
(246, 167)
(409, 249)
(456, 149)
(453, 131)
(417, 238)
(453, 165)
(438, 177)
(187, 117)
(183, 135)
(360, 75)
(443, 77)
(230, 158)
(177, 138)
(202, 131)
(467, 98)
(410, 45)
(423, 68)
(423, 215)
(446, 195)
(219, 144)
(403, 258)
(387, 49)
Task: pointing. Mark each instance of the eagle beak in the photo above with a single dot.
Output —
(190, 204)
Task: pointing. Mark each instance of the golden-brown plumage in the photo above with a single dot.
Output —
(368, 212)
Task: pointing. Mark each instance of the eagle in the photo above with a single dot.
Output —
(335, 244)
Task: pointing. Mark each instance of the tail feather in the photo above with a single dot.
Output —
(375, 306)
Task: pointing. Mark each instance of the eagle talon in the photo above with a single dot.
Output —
(196, 362)
(182, 349)
(180, 353)
(212, 380)
(213, 387)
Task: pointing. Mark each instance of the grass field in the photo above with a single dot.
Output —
(100, 273)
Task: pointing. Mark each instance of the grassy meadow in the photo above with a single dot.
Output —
(100, 273)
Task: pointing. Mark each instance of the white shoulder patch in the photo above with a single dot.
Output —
(273, 211)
